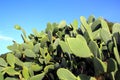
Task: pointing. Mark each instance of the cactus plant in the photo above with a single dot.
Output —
(65, 52)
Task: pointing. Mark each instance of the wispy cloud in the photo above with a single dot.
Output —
(6, 38)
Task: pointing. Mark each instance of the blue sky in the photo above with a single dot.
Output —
(36, 13)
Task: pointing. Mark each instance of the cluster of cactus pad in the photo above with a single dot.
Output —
(65, 52)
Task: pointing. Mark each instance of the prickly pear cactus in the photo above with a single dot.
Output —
(90, 51)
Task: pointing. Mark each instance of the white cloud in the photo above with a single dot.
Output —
(6, 38)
